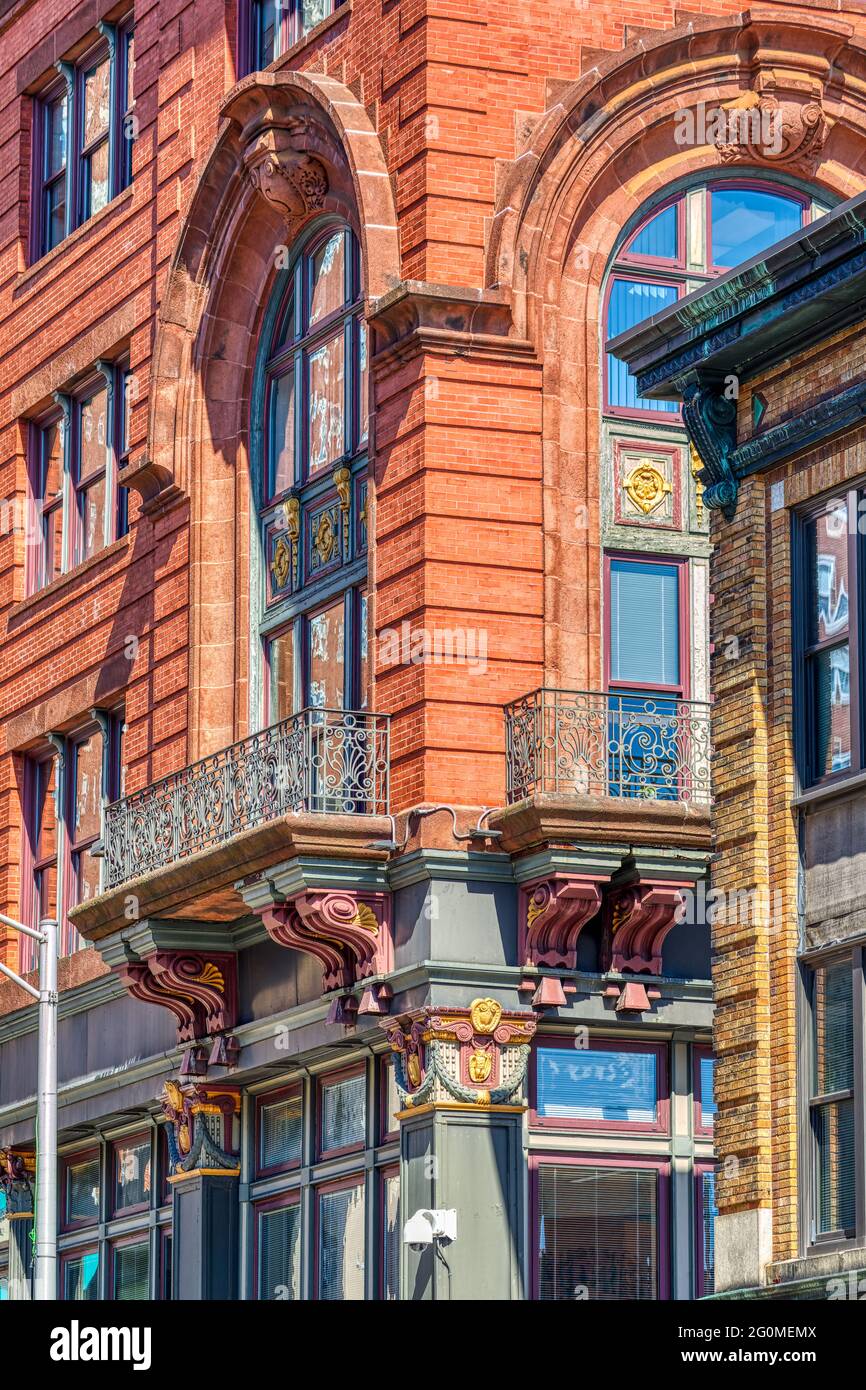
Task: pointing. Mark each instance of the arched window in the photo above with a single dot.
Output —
(310, 415)
(693, 237)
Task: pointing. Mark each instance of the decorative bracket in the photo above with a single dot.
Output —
(347, 930)
(475, 1056)
(637, 920)
(553, 913)
(710, 417)
(198, 988)
(294, 182)
(17, 1172)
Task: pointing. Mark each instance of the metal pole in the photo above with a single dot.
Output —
(46, 1118)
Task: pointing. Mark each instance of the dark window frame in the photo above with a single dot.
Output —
(67, 1257)
(289, 1197)
(851, 1237)
(700, 1053)
(133, 1238)
(323, 1189)
(702, 1169)
(141, 1136)
(332, 1078)
(288, 30)
(67, 1162)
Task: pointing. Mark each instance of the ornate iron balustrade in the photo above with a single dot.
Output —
(651, 747)
(321, 760)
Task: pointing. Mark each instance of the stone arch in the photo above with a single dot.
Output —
(293, 147)
(588, 164)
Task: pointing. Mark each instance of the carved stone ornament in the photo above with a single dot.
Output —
(203, 1128)
(637, 919)
(759, 127)
(710, 418)
(347, 930)
(472, 1056)
(294, 182)
(553, 913)
(198, 988)
(646, 487)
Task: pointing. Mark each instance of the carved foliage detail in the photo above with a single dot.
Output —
(294, 182)
(475, 1056)
(199, 989)
(203, 1127)
(349, 932)
(554, 911)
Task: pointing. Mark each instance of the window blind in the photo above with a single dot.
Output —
(644, 623)
(598, 1233)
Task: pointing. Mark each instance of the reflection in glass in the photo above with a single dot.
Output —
(131, 1173)
(632, 301)
(282, 662)
(832, 709)
(328, 278)
(746, 221)
(597, 1084)
(827, 541)
(327, 658)
(659, 237)
(391, 1238)
(283, 439)
(326, 385)
(344, 1113)
(833, 1066)
(341, 1244)
(80, 1278)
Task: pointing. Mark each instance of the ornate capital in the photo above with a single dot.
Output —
(16, 1179)
(203, 1128)
(199, 988)
(710, 417)
(553, 913)
(474, 1056)
(294, 182)
(347, 930)
(637, 920)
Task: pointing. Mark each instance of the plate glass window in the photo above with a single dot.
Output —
(832, 1105)
(618, 1087)
(344, 1113)
(598, 1233)
(279, 1250)
(341, 1244)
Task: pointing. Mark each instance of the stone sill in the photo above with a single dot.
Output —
(55, 593)
(93, 224)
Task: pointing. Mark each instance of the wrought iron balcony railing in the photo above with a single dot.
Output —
(650, 747)
(321, 760)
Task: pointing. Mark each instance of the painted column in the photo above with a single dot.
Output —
(461, 1076)
(204, 1146)
(16, 1179)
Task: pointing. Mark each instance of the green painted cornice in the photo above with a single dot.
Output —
(461, 866)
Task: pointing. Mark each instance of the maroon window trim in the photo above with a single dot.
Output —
(164, 1283)
(70, 1161)
(682, 690)
(141, 1237)
(661, 1167)
(143, 1136)
(295, 1091)
(699, 1053)
(322, 1190)
(329, 1079)
(781, 190)
(663, 1099)
(292, 1198)
(627, 258)
(67, 1257)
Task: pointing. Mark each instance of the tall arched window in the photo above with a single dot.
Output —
(311, 413)
(688, 240)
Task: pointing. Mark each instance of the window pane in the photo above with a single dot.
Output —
(281, 1132)
(314, 11)
(279, 1235)
(834, 1133)
(597, 1084)
(92, 519)
(329, 269)
(93, 434)
(632, 301)
(51, 471)
(597, 1235)
(131, 1264)
(364, 661)
(165, 1290)
(54, 214)
(282, 660)
(265, 32)
(706, 1067)
(644, 623)
(326, 385)
(130, 70)
(363, 382)
(87, 790)
(831, 702)
(55, 136)
(82, 1191)
(327, 658)
(341, 1244)
(80, 1278)
(97, 179)
(833, 1012)
(745, 221)
(659, 238)
(344, 1113)
(391, 1236)
(46, 824)
(96, 101)
(52, 546)
(827, 551)
(131, 1173)
(709, 1212)
(283, 432)
(86, 886)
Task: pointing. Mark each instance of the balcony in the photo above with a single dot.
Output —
(319, 762)
(589, 744)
